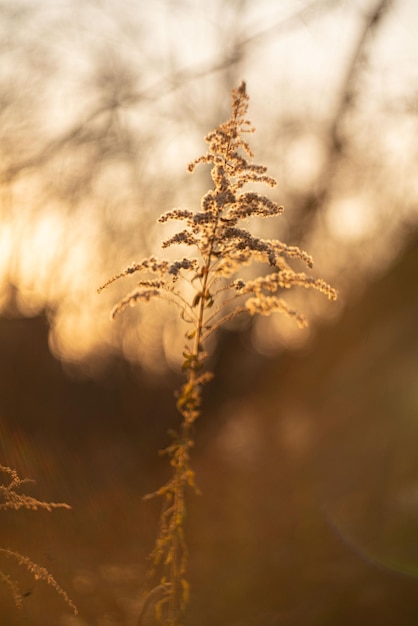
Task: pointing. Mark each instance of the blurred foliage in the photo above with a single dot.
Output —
(98, 124)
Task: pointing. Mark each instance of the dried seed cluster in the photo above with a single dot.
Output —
(221, 244)
(12, 498)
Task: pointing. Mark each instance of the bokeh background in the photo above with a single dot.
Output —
(306, 454)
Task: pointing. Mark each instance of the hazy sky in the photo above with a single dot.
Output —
(111, 102)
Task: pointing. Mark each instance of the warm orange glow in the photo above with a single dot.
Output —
(104, 150)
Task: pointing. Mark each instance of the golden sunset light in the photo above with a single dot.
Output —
(155, 279)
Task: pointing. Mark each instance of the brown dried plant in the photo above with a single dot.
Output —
(215, 294)
(12, 498)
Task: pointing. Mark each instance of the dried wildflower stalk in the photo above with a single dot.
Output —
(11, 498)
(222, 247)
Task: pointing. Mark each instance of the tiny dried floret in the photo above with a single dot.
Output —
(203, 218)
(184, 238)
(249, 206)
(267, 305)
(185, 264)
(138, 294)
(238, 284)
(175, 214)
(289, 279)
